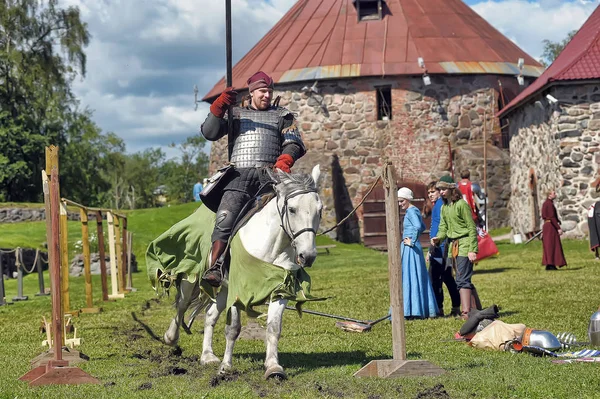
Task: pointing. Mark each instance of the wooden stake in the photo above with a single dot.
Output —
(102, 255)
(113, 257)
(124, 256)
(119, 254)
(129, 271)
(46, 189)
(64, 260)
(85, 239)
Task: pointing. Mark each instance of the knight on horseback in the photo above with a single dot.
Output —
(263, 136)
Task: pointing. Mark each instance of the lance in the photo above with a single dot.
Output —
(229, 74)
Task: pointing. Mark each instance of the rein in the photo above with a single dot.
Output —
(283, 212)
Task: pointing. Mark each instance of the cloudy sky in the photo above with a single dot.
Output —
(145, 56)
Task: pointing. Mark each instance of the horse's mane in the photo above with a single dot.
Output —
(291, 182)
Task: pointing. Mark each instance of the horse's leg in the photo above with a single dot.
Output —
(185, 292)
(213, 312)
(274, 322)
(232, 331)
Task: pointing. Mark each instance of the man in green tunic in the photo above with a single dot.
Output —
(457, 226)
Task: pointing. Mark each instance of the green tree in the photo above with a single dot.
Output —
(41, 52)
(180, 175)
(553, 49)
(142, 173)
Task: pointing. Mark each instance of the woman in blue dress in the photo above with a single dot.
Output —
(419, 298)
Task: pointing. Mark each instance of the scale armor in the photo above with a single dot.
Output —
(259, 140)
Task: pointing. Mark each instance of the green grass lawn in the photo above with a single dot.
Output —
(123, 342)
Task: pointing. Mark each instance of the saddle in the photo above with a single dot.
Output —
(250, 209)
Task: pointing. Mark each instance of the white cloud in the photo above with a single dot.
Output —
(528, 23)
(145, 57)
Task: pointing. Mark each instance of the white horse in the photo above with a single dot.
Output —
(283, 234)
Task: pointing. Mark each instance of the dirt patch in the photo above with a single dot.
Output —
(144, 386)
(144, 355)
(227, 377)
(326, 391)
(436, 392)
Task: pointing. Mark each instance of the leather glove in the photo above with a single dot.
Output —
(225, 99)
(284, 163)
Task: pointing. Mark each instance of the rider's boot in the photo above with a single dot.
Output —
(214, 274)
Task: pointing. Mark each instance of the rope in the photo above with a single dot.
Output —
(8, 252)
(37, 252)
(356, 207)
(19, 259)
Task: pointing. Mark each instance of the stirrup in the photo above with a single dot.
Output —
(214, 275)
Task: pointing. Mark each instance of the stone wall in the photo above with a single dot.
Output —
(560, 143)
(76, 268)
(342, 120)
(14, 215)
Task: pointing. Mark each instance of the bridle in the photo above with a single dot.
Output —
(284, 216)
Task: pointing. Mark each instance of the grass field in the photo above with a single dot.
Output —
(126, 354)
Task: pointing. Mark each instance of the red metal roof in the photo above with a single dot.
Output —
(322, 39)
(580, 59)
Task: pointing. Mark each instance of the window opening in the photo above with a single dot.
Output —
(369, 10)
(384, 103)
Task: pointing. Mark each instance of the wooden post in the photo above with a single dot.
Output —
(119, 254)
(399, 366)
(64, 261)
(124, 256)
(485, 168)
(56, 371)
(46, 189)
(3, 302)
(40, 271)
(102, 255)
(85, 239)
(58, 310)
(113, 257)
(129, 252)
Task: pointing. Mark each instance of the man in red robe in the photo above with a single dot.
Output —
(553, 250)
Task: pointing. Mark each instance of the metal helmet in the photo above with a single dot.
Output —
(594, 329)
(541, 338)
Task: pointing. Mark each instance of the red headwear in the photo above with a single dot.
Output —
(259, 80)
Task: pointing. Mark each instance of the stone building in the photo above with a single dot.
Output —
(554, 128)
(414, 82)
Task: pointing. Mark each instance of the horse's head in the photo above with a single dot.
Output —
(299, 208)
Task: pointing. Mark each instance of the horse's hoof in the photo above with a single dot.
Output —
(170, 341)
(225, 369)
(275, 372)
(208, 359)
